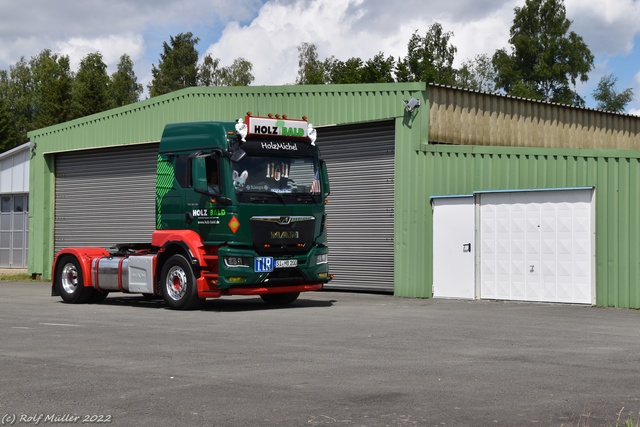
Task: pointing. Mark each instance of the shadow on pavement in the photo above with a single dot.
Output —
(219, 305)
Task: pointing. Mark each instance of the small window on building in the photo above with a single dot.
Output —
(19, 204)
(5, 204)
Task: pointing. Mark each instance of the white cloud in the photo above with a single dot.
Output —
(355, 28)
(267, 32)
(77, 28)
(607, 26)
(111, 47)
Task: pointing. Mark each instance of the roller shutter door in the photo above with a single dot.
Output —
(105, 196)
(361, 164)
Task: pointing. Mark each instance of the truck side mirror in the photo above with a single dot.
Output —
(199, 174)
(325, 178)
(238, 155)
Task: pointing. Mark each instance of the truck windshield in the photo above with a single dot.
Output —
(258, 179)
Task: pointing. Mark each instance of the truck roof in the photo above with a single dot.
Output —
(190, 136)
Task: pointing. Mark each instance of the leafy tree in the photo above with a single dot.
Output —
(178, 66)
(310, 69)
(6, 127)
(52, 82)
(4, 84)
(18, 88)
(90, 87)
(378, 69)
(429, 58)
(546, 59)
(238, 73)
(477, 74)
(340, 72)
(608, 98)
(210, 73)
(124, 88)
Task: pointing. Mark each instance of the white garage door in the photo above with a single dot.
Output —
(537, 246)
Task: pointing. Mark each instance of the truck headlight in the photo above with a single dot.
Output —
(322, 258)
(236, 261)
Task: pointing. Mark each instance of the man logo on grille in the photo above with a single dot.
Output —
(284, 220)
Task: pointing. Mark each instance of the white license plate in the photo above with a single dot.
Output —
(286, 263)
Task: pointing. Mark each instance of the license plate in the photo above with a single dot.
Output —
(286, 263)
(266, 264)
(263, 264)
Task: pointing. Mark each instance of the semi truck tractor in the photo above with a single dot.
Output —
(240, 210)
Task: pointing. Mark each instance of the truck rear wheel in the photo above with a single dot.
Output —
(70, 283)
(178, 284)
(280, 299)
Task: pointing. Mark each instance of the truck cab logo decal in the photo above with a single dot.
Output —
(285, 235)
(279, 146)
(266, 126)
(265, 130)
(284, 220)
(234, 224)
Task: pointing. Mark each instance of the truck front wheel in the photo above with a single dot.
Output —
(178, 284)
(280, 299)
(70, 283)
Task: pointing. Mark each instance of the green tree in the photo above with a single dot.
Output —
(210, 73)
(429, 58)
(340, 72)
(19, 95)
(178, 66)
(52, 82)
(547, 59)
(90, 87)
(6, 127)
(124, 88)
(477, 74)
(379, 69)
(311, 70)
(609, 99)
(238, 73)
(4, 84)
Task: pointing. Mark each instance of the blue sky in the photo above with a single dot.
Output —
(267, 32)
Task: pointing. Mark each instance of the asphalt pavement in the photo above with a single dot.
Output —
(329, 359)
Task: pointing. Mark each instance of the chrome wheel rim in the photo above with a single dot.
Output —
(176, 283)
(69, 278)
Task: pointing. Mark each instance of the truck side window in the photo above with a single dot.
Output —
(213, 176)
(182, 171)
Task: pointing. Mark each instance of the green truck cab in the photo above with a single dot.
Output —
(240, 210)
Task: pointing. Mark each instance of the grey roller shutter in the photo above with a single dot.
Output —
(105, 196)
(361, 164)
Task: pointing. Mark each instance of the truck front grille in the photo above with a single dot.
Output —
(277, 235)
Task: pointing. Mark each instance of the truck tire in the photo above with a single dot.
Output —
(70, 283)
(178, 284)
(280, 299)
(98, 296)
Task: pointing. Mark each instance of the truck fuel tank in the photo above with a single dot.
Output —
(124, 274)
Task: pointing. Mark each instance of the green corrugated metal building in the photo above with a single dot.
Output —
(389, 168)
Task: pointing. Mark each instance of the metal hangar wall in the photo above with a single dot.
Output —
(387, 166)
(97, 174)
